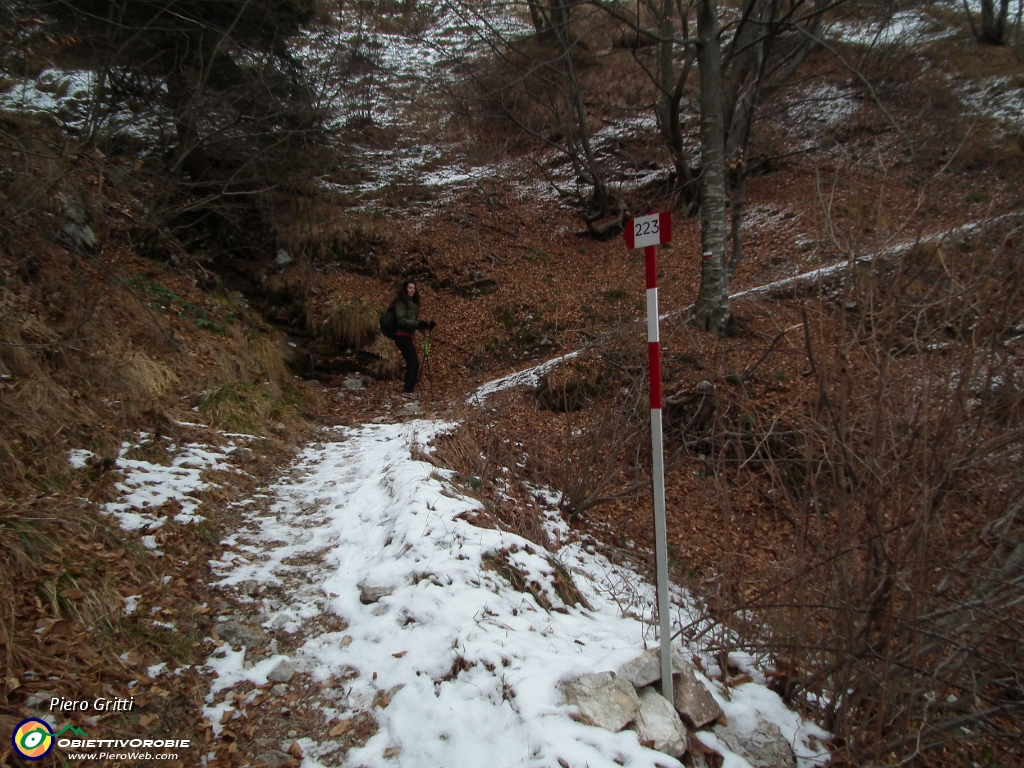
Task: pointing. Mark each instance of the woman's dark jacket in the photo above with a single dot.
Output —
(406, 317)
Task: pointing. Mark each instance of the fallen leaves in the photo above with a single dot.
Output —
(340, 729)
(54, 627)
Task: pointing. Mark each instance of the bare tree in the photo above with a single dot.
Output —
(534, 82)
(744, 56)
(993, 30)
(768, 44)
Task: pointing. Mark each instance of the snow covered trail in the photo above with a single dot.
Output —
(457, 667)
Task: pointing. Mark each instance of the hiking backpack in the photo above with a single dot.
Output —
(389, 324)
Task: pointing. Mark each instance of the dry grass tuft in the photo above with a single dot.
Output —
(352, 324)
(561, 582)
(266, 358)
(316, 231)
(36, 547)
(389, 361)
(236, 406)
(145, 377)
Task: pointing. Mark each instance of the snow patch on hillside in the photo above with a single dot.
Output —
(150, 492)
(1001, 99)
(821, 105)
(904, 28)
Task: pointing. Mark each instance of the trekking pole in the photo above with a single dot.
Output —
(426, 364)
(463, 350)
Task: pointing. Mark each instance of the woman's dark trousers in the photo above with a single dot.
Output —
(412, 361)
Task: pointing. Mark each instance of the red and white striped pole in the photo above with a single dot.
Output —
(648, 232)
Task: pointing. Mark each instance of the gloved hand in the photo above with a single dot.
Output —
(432, 325)
(423, 325)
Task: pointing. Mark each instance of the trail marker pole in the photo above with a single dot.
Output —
(648, 232)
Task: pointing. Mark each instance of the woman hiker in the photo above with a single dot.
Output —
(407, 308)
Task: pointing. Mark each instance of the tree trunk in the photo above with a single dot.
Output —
(739, 196)
(671, 88)
(538, 17)
(712, 310)
(993, 22)
(603, 202)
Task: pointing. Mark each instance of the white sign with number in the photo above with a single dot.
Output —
(646, 230)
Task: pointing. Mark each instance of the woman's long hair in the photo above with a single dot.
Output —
(403, 294)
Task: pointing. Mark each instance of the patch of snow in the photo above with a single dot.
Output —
(527, 378)
(761, 218)
(51, 91)
(999, 98)
(629, 127)
(830, 270)
(904, 28)
(469, 663)
(147, 486)
(821, 105)
(79, 457)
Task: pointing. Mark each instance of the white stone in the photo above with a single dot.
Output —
(236, 633)
(658, 724)
(693, 701)
(283, 259)
(245, 454)
(765, 747)
(282, 673)
(369, 594)
(603, 699)
(40, 700)
(645, 669)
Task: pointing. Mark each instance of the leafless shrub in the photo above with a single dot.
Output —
(599, 462)
(897, 615)
(487, 465)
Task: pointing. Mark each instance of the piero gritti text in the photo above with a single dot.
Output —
(91, 705)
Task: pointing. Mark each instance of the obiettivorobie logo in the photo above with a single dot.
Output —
(34, 738)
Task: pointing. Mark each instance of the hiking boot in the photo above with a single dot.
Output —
(410, 395)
